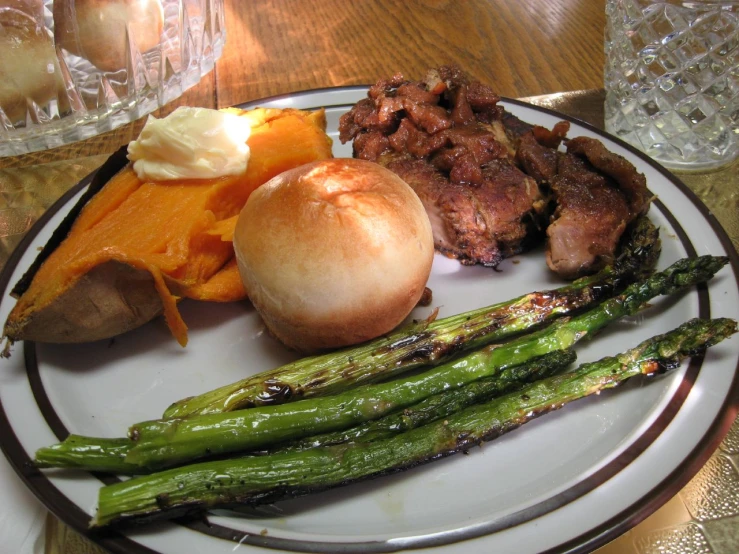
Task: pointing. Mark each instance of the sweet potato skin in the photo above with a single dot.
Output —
(107, 275)
(110, 299)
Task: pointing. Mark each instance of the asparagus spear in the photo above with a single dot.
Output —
(441, 405)
(268, 478)
(100, 454)
(427, 342)
(89, 453)
(166, 442)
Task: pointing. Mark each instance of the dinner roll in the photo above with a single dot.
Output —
(333, 253)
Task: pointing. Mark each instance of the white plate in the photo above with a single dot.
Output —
(568, 481)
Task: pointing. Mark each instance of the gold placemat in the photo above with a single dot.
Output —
(27, 192)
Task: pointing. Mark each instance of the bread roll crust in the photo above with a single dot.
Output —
(333, 253)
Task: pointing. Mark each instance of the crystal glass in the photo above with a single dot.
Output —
(71, 69)
(672, 79)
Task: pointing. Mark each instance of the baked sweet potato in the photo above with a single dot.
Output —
(132, 249)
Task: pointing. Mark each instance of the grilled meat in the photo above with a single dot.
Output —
(446, 137)
(632, 183)
(476, 224)
(596, 194)
(491, 182)
(537, 160)
(590, 217)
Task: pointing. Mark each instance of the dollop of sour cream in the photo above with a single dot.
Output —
(191, 143)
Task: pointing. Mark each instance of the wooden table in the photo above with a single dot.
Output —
(523, 48)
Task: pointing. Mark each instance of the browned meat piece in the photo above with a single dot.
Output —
(466, 151)
(593, 210)
(596, 194)
(514, 127)
(481, 99)
(515, 206)
(536, 160)
(478, 171)
(510, 130)
(457, 228)
(445, 99)
(370, 146)
(480, 224)
(551, 138)
(362, 115)
(499, 130)
(442, 136)
(631, 182)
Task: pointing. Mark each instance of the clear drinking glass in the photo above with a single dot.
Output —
(70, 69)
(672, 79)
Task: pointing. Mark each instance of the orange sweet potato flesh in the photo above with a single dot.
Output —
(138, 247)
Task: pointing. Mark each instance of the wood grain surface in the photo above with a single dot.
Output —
(521, 48)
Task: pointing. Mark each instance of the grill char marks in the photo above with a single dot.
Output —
(446, 138)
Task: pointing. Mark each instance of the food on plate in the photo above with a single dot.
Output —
(163, 443)
(132, 248)
(336, 252)
(441, 405)
(101, 30)
(110, 455)
(481, 224)
(491, 182)
(432, 342)
(263, 479)
(597, 194)
(440, 137)
(333, 253)
(168, 442)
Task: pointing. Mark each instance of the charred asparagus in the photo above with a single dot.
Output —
(167, 442)
(100, 454)
(442, 405)
(268, 478)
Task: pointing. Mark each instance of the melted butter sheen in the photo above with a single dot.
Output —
(191, 143)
